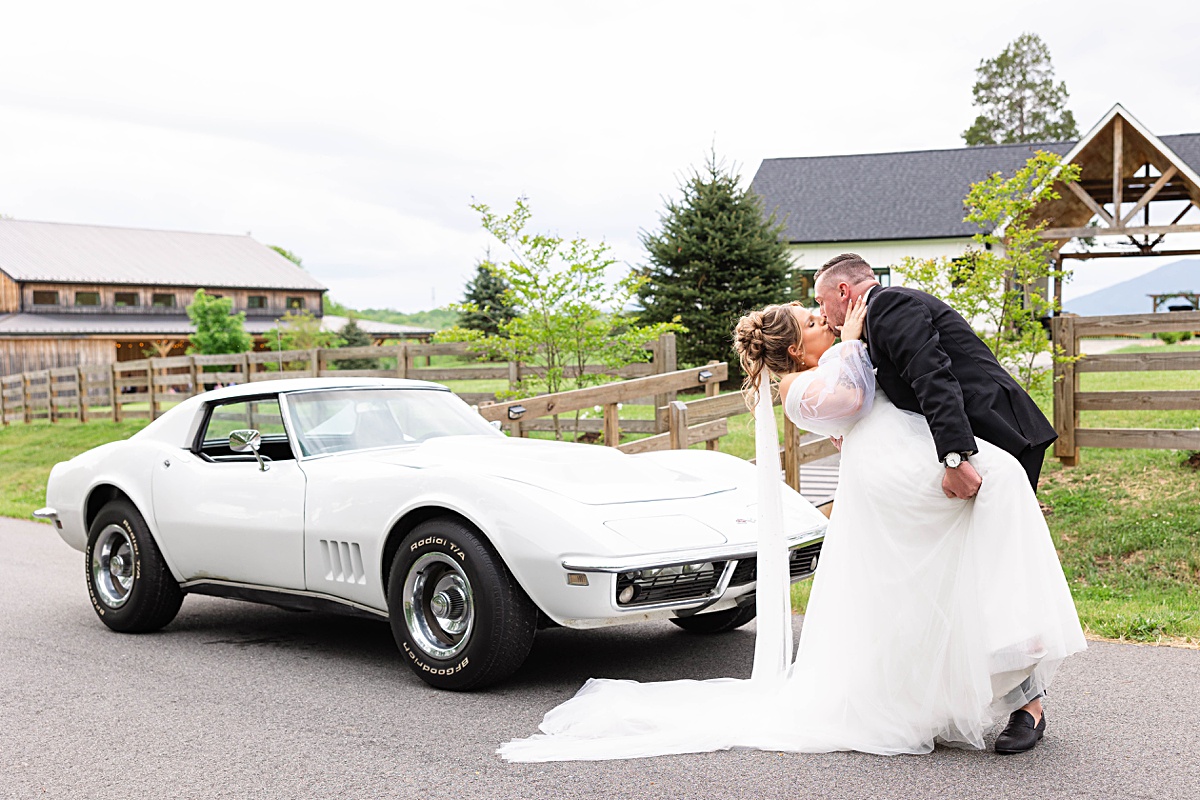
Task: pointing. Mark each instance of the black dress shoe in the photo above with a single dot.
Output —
(1020, 734)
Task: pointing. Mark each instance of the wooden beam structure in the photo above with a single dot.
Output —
(1150, 194)
(1143, 230)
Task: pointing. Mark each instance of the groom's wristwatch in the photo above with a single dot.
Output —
(953, 460)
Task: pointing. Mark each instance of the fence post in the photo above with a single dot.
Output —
(3, 409)
(51, 406)
(81, 392)
(112, 392)
(402, 360)
(514, 374)
(612, 425)
(712, 388)
(791, 453)
(197, 387)
(1066, 384)
(677, 419)
(664, 361)
(150, 384)
(25, 397)
(314, 359)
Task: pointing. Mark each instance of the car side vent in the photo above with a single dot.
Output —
(343, 562)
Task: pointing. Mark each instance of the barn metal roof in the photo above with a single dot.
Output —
(57, 252)
(908, 195)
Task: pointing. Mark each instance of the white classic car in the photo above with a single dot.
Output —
(394, 499)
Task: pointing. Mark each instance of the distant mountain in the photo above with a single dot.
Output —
(1129, 297)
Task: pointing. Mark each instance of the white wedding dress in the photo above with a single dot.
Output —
(930, 618)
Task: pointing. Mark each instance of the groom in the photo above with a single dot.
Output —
(929, 361)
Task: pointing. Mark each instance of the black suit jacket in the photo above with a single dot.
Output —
(931, 362)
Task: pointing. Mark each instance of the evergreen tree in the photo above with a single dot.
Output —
(486, 299)
(354, 336)
(1018, 99)
(717, 256)
(218, 330)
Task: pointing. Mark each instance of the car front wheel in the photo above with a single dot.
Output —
(129, 584)
(458, 616)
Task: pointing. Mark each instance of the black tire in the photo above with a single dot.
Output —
(718, 621)
(128, 582)
(486, 624)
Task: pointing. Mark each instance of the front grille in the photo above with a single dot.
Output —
(803, 560)
(669, 585)
(800, 564)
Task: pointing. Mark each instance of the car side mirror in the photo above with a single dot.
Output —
(241, 441)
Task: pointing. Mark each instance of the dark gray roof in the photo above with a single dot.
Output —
(163, 325)
(911, 195)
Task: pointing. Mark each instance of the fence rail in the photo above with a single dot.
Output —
(704, 420)
(140, 389)
(1069, 401)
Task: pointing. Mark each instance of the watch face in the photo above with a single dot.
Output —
(953, 460)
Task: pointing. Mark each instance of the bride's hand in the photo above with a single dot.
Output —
(856, 317)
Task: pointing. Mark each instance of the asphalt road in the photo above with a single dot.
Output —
(242, 701)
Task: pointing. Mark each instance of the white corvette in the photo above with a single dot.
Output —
(394, 499)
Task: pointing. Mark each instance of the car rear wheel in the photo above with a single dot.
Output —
(718, 621)
(458, 615)
(128, 582)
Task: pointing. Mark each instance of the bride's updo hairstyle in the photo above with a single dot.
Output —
(762, 339)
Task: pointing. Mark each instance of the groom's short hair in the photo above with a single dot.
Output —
(848, 267)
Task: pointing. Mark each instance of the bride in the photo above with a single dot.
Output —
(929, 619)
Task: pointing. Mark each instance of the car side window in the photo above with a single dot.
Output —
(258, 413)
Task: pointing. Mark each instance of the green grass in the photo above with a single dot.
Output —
(27, 453)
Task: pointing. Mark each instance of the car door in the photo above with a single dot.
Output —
(221, 515)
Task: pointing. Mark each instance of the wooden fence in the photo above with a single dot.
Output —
(109, 390)
(704, 420)
(1069, 401)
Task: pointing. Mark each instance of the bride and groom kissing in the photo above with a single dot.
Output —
(940, 605)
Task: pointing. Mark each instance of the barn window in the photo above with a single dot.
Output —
(126, 299)
(45, 298)
(87, 298)
(163, 300)
(256, 301)
(295, 302)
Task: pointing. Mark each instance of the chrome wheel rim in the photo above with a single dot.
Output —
(112, 566)
(439, 606)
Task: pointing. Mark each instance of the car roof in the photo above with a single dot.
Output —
(309, 384)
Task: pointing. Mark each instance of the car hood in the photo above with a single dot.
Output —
(587, 473)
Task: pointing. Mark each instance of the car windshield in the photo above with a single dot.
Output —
(340, 420)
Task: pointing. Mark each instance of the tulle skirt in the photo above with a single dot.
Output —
(930, 619)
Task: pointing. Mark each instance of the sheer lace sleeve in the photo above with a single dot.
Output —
(834, 395)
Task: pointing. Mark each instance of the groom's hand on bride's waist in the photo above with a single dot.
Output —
(962, 481)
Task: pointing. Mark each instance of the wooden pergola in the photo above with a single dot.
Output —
(1125, 170)
(1193, 299)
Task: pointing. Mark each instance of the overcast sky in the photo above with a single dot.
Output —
(357, 134)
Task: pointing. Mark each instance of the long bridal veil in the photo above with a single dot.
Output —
(773, 644)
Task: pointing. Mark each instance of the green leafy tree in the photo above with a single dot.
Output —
(1000, 285)
(1018, 99)
(716, 256)
(486, 301)
(288, 254)
(354, 336)
(218, 329)
(298, 330)
(573, 314)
